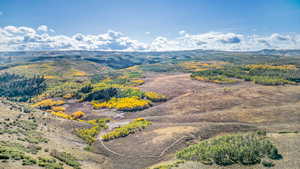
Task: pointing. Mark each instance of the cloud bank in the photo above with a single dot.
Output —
(43, 38)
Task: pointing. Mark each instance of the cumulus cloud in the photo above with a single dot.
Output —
(43, 38)
(24, 38)
(227, 41)
(42, 28)
(182, 32)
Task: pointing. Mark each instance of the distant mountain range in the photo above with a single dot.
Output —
(116, 59)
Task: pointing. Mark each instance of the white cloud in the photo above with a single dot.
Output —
(182, 32)
(42, 28)
(147, 33)
(25, 38)
(226, 41)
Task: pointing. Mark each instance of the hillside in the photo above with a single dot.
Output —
(156, 110)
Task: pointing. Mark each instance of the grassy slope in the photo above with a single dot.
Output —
(58, 134)
(198, 108)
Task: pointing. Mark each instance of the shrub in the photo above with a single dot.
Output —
(133, 73)
(137, 82)
(123, 104)
(274, 67)
(62, 115)
(77, 115)
(267, 163)
(79, 74)
(86, 89)
(89, 134)
(226, 150)
(134, 126)
(58, 108)
(48, 103)
(68, 96)
(27, 125)
(215, 79)
(15, 151)
(34, 149)
(99, 122)
(34, 139)
(29, 161)
(10, 152)
(88, 148)
(49, 163)
(155, 97)
(130, 92)
(265, 80)
(66, 158)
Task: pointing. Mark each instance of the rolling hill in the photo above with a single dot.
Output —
(140, 110)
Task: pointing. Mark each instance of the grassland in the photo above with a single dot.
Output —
(142, 111)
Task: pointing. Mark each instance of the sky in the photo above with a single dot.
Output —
(149, 24)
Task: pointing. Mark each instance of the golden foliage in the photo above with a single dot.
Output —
(58, 108)
(89, 134)
(201, 66)
(215, 79)
(48, 103)
(50, 77)
(68, 96)
(77, 115)
(124, 104)
(95, 122)
(138, 82)
(155, 97)
(62, 115)
(79, 74)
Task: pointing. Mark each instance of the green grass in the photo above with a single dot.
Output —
(246, 149)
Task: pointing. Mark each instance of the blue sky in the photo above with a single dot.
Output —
(160, 18)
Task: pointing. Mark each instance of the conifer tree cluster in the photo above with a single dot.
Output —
(20, 88)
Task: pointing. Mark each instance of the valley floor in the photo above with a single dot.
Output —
(195, 111)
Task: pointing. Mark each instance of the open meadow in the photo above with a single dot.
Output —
(229, 110)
